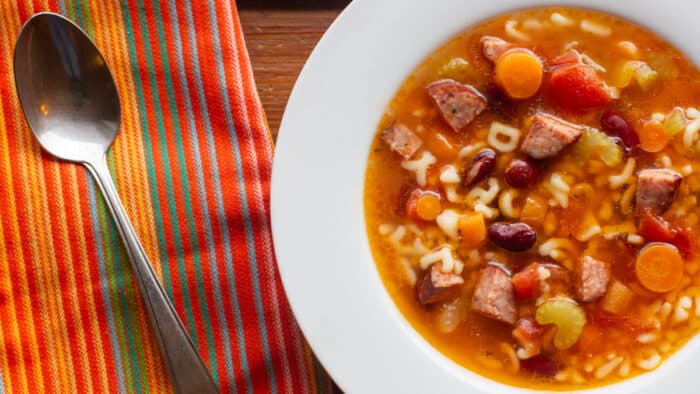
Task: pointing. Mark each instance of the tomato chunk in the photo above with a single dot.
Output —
(684, 241)
(526, 283)
(626, 323)
(655, 229)
(528, 328)
(578, 87)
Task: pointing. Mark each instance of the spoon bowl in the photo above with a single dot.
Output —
(66, 90)
(71, 103)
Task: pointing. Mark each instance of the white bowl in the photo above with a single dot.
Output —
(318, 221)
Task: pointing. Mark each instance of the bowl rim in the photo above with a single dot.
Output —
(327, 269)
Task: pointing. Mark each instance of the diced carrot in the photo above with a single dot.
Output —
(428, 206)
(526, 283)
(441, 146)
(578, 87)
(591, 339)
(534, 210)
(652, 137)
(519, 73)
(659, 267)
(472, 229)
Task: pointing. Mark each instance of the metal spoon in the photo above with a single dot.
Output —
(71, 104)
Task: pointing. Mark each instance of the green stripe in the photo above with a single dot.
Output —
(126, 278)
(116, 294)
(185, 183)
(120, 285)
(152, 176)
(88, 18)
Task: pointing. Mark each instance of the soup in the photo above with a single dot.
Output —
(531, 195)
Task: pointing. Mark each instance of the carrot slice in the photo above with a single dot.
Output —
(659, 267)
(428, 206)
(519, 73)
(652, 137)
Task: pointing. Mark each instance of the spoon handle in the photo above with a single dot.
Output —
(187, 370)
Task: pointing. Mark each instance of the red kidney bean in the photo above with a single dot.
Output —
(540, 365)
(615, 124)
(516, 237)
(521, 173)
(482, 164)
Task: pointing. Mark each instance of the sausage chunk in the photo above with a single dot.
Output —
(458, 103)
(656, 189)
(493, 47)
(592, 278)
(548, 135)
(402, 140)
(493, 296)
(437, 286)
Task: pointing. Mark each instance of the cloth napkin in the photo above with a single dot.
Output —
(192, 164)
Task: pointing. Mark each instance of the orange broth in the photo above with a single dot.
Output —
(479, 343)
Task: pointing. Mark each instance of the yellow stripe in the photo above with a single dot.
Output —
(72, 292)
(129, 154)
(45, 270)
(28, 330)
(94, 335)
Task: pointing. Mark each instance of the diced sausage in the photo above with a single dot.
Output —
(493, 295)
(402, 140)
(492, 47)
(437, 286)
(548, 135)
(458, 103)
(656, 189)
(592, 278)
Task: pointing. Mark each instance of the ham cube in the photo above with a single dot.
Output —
(438, 286)
(401, 140)
(592, 278)
(549, 135)
(493, 295)
(656, 189)
(459, 104)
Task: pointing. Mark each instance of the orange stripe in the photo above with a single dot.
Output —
(75, 222)
(57, 208)
(26, 311)
(126, 158)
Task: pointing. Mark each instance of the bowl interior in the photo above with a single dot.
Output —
(318, 223)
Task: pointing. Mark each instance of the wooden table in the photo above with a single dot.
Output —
(279, 42)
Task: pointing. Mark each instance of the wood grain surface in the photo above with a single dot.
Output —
(279, 42)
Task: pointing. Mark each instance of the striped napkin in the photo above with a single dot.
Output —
(192, 164)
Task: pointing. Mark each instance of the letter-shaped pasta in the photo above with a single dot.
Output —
(505, 204)
(625, 176)
(499, 130)
(515, 33)
(420, 167)
(690, 136)
(485, 195)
